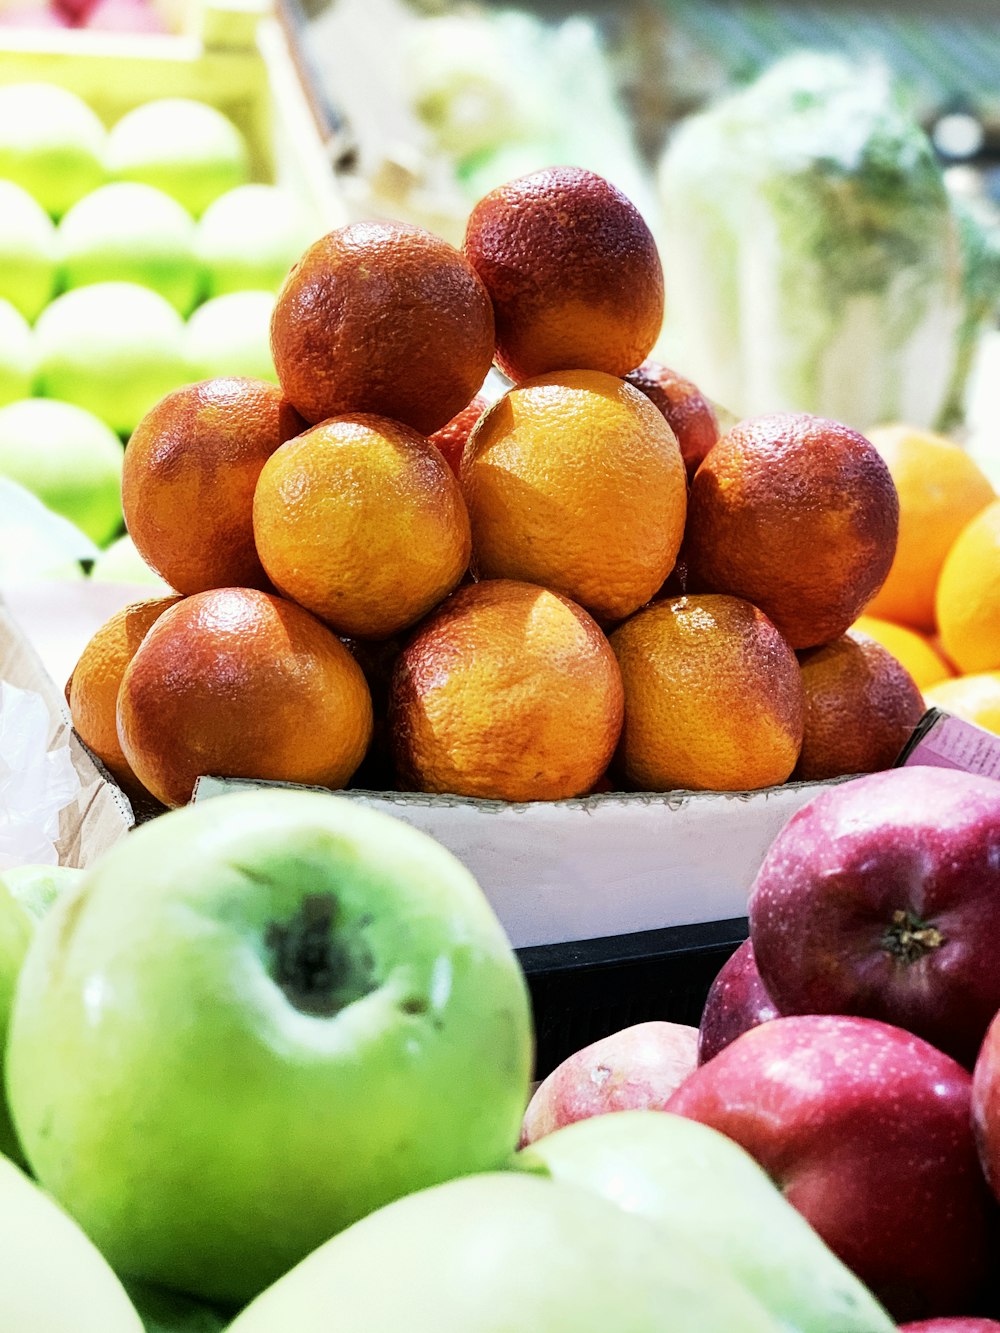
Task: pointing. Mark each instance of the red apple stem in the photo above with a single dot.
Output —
(909, 938)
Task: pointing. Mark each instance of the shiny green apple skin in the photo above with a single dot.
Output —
(165, 1312)
(670, 1170)
(258, 1020)
(505, 1254)
(54, 1280)
(36, 887)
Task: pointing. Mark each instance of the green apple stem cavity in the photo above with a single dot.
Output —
(908, 938)
(319, 971)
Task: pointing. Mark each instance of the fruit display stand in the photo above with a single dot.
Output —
(238, 61)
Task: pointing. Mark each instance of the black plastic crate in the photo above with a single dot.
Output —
(586, 989)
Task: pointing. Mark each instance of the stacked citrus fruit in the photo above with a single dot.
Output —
(577, 586)
(939, 609)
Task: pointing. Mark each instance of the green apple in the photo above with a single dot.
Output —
(51, 144)
(54, 1280)
(121, 563)
(28, 263)
(690, 1178)
(132, 233)
(35, 888)
(66, 457)
(505, 1254)
(186, 148)
(231, 335)
(114, 348)
(258, 1020)
(17, 355)
(16, 932)
(250, 237)
(167, 1312)
(26, 894)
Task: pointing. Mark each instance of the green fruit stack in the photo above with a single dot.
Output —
(111, 240)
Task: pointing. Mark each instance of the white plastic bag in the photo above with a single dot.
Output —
(35, 783)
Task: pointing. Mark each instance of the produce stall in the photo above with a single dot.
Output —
(499, 671)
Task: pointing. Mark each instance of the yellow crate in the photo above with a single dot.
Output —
(240, 63)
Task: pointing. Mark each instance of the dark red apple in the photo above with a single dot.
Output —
(986, 1105)
(736, 1003)
(959, 1325)
(867, 1131)
(636, 1069)
(689, 413)
(881, 897)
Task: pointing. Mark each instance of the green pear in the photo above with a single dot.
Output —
(257, 1020)
(51, 144)
(186, 148)
(132, 233)
(66, 457)
(505, 1254)
(28, 264)
(54, 1280)
(26, 893)
(677, 1172)
(250, 237)
(17, 353)
(167, 1312)
(231, 335)
(114, 348)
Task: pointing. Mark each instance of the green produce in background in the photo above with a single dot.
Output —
(250, 237)
(67, 457)
(506, 1254)
(17, 355)
(28, 265)
(260, 1019)
(186, 148)
(132, 233)
(231, 335)
(677, 1172)
(121, 563)
(114, 348)
(51, 144)
(811, 253)
(979, 233)
(54, 1280)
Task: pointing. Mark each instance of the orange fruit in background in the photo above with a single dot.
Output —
(508, 692)
(573, 273)
(917, 654)
(967, 602)
(575, 481)
(92, 691)
(384, 318)
(972, 698)
(798, 515)
(940, 489)
(713, 697)
(689, 413)
(189, 475)
(861, 708)
(362, 521)
(238, 683)
(452, 438)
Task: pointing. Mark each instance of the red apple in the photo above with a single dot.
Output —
(881, 897)
(689, 413)
(866, 1129)
(986, 1105)
(946, 1325)
(633, 1070)
(736, 1003)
